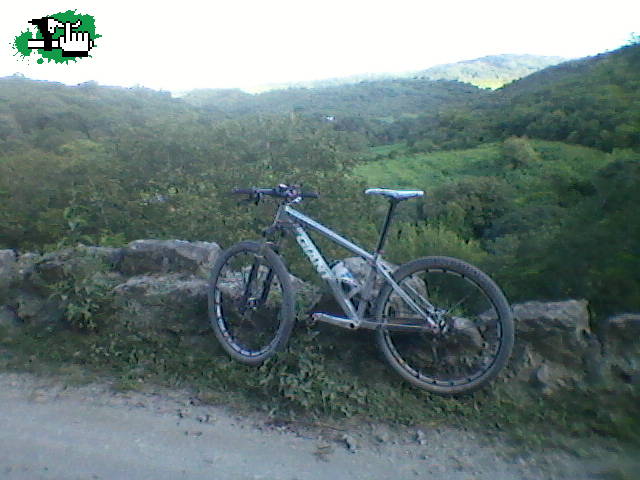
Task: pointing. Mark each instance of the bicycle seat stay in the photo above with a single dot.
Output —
(395, 194)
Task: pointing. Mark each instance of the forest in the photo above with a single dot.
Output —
(536, 182)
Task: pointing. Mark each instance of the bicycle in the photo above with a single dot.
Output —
(441, 323)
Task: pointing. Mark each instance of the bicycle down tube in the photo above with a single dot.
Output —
(323, 269)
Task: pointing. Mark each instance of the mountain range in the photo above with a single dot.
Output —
(492, 71)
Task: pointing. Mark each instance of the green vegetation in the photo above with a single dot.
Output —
(593, 102)
(309, 382)
(536, 182)
(493, 71)
(377, 109)
(542, 212)
(365, 100)
(506, 184)
(86, 292)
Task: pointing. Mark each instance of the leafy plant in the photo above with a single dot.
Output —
(85, 291)
(301, 378)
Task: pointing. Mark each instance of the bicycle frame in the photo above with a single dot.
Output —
(355, 316)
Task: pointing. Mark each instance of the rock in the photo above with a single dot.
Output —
(467, 333)
(167, 294)
(558, 331)
(169, 256)
(15, 299)
(162, 303)
(34, 309)
(359, 269)
(25, 267)
(204, 418)
(8, 260)
(382, 437)
(306, 294)
(9, 320)
(82, 260)
(41, 283)
(420, 437)
(621, 351)
(624, 328)
(110, 256)
(543, 379)
(350, 442)
(7, 272)
(554, 345)
(323, 450)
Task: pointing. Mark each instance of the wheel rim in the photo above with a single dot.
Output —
(248, 311)
(471, 344)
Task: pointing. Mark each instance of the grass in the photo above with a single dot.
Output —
(430, 170)
(325, 376)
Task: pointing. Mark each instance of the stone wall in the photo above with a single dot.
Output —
(160, 287)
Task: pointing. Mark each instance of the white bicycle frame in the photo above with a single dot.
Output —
(355, 316)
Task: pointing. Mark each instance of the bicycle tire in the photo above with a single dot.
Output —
(251, 328)
(485, 317)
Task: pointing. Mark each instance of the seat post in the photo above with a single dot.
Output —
(385, 227)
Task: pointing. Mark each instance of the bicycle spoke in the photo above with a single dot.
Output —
(247, 304)
(462, 353)
(448, 310)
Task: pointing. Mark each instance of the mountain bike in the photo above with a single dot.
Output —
(441, 323)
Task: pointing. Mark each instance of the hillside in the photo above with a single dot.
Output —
(368, 99)
(593, 101)
(555, 218)
(492, 71)
(509, 187)
(432, 170)
(47, 115)
(380, 95)
(536, 183)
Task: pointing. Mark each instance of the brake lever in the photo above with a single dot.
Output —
(254, 198)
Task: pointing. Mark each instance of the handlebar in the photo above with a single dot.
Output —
(282, 191)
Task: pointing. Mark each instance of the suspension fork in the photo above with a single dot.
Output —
(255, 267)
(246, 301)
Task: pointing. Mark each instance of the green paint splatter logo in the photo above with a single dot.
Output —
(60, 38)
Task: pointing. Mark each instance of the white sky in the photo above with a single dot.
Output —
(187, 44)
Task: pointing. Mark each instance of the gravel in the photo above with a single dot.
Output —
(52, 431)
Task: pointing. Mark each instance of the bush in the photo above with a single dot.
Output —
(86, 291)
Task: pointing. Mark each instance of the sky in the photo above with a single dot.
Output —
(178, 46)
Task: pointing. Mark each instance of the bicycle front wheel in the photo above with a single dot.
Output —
(251, 302)
(477, 326)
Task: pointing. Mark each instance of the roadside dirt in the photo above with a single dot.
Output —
(52, 431)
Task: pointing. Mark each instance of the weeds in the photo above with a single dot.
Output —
(85, 291)
(310, 380)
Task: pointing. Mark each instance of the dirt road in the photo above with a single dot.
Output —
(49, 431)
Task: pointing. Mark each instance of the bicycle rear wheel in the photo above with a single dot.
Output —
(478, 326)
(251, 302)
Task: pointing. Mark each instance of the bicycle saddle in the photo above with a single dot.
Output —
(395, 194)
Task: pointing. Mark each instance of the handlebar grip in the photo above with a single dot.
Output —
(243, 191)
(276, 192)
